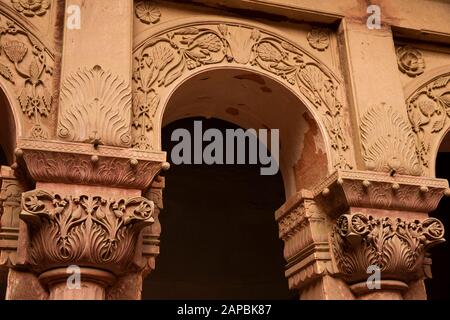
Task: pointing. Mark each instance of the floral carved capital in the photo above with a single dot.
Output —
(397, 246)
(86, 230)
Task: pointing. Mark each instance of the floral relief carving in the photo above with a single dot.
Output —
(95, 107)
(163, 59)
(428, 111)
(410, 61)
(85, 229)
(388, 142)
(26, 60)
(319, 38)
(147, 12)
(31, 8)
(398, 247)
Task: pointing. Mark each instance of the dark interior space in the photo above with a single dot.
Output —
(219, 236)
(439, 286)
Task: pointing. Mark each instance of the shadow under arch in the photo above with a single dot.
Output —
(219, 237)
(251, 99)
(438, 288)
(8, 129)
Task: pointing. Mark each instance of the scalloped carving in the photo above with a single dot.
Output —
(95, 106)
(388, 142)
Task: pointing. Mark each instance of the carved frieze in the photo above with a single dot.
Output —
(397, 246)
(95, 107)
(83, 230)
(24, 62)
(428, 111)
(164, 58)
(388, 142)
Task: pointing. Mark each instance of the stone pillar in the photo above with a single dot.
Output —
(85, 217)
(354, 222)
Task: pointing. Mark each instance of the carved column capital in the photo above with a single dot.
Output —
(397, 247)
(89, 231)
(83, 230)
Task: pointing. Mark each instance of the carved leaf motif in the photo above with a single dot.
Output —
(388, 143)
(95, 103)
(209, 42)
(188, 31)
(289, 47)
(268, 52)
(6, 73)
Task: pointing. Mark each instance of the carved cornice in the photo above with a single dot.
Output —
(397, 246)
(367, 189)
(77, 163)
(95, 107)
(170, 55)
(87, 230)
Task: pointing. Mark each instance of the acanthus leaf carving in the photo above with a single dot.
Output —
(84, 230)
(95, 106)
(398, 247)
(388, 142)
(163, 59)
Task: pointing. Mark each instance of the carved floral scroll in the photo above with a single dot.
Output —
(24, 63)
(428, 112)
(165, 58)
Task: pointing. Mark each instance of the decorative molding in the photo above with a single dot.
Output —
(378, 190)
(410, 61)
(31, 8)
(163, 59)
(147, 12)
(319, 38)
(85, 230)
(59, 165)
(397, 246)
(388, 142)
(95, 107)
(304, 229)
(26, 61)
(428, 111)
(10, 198)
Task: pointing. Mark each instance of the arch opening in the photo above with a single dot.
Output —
(7, 131)
(220, 238)
(439, 286)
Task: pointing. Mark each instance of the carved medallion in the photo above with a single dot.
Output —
(147, 12)
(31, 8)
(410, 61)
(319, 38)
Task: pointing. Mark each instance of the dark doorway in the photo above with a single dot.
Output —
(439, 286)
(219, 236)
